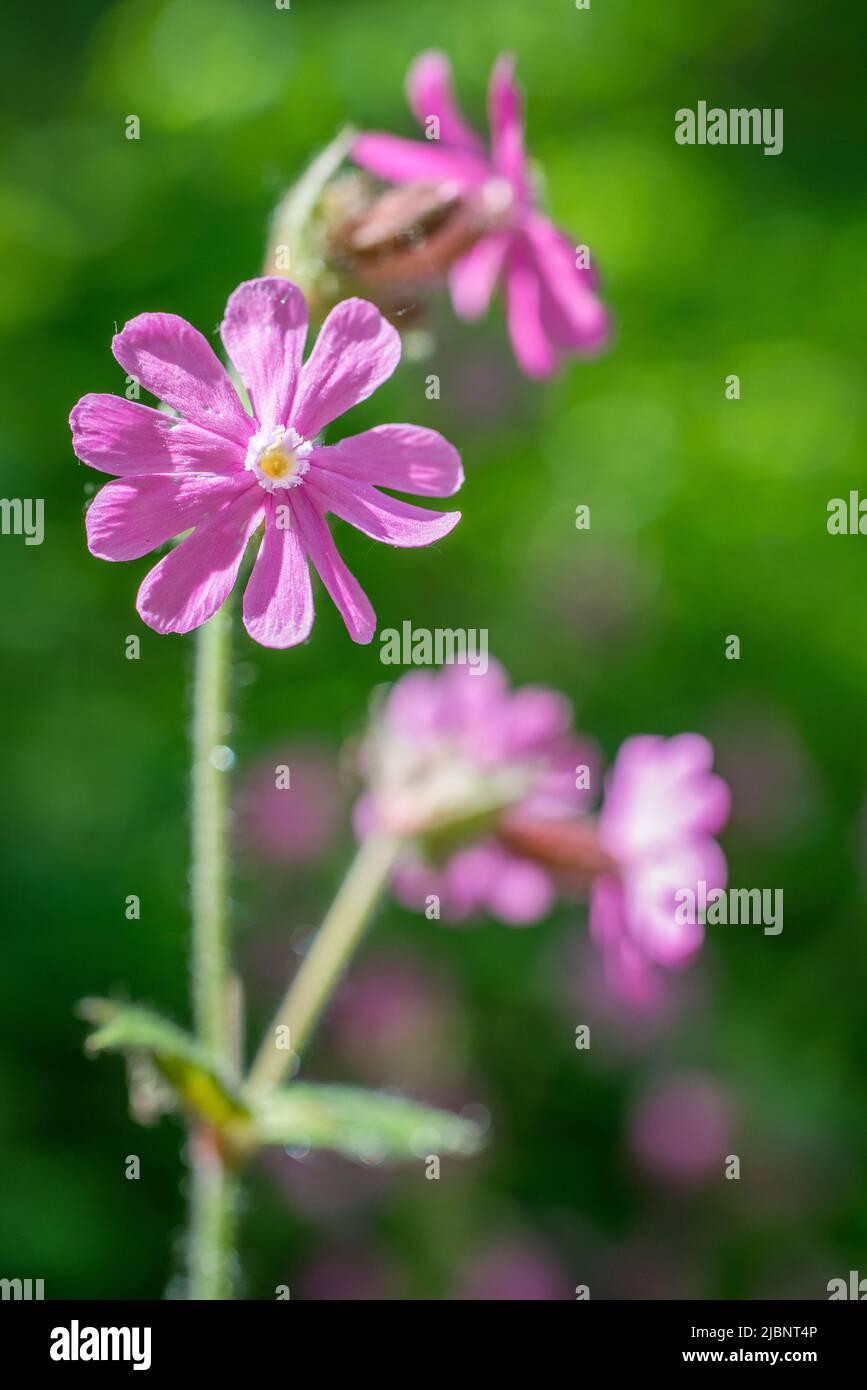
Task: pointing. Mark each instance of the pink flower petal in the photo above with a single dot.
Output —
(481, 878)
(278, 602)
(381, 517)
(178, 365)
(191, 582)
(430, 93)
(414, 705)
(703, 800)
(473, 704)
(557, 793)
(264, 332)
(472, 279)
(607, 920)
(506, 115)
(530, 342)
(465, 882)
(356, 351)
(521, 893)
(551, 244)
(662, 790)
(418, 161)
(533, 718)
(662, 804)
(406, 457)
(344, 588)
(572, 314)
(651, 903)
(132, 516)
(120, 436)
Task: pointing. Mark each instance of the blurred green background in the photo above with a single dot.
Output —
(708, 519)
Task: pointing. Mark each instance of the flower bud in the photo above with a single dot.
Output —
(338, 232)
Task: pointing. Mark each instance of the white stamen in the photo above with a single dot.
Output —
(278, 457)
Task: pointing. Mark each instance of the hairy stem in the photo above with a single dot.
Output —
(214, 1187)
(326, 959)
(208, 876)
(213, 1218)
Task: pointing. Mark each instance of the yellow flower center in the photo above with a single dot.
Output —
(279, 457)
(277, 462)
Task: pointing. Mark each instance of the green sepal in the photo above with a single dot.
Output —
(198, 1080)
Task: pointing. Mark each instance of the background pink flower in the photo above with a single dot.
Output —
(456, 740)
(294, 824)
(348, 1273)
(224, 473)
(680, 1131)
(515, 1269)
(396, 1020)
(551, 305)
(662, 807)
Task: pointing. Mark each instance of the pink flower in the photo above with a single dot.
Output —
(662, 807)
(681, 1130)
(551, 305)
(515, 1269)
(289, 819)
(224, 472)
(459, 755)
(394, 1013)
(348, 1274)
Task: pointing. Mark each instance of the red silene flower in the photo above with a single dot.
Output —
(551, 303)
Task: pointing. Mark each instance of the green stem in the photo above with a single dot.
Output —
(213, 1219)
(326, 959)
(214, 1188)
(208, 878)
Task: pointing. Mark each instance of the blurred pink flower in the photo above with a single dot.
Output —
(484, 878)
(397, 1022)
(681, 1130)
(347, 1275)
(515, 1270)
(662, 807)
(393, 1019)
(225, 473)
(551, 304)
(292, 824)
(459, 753)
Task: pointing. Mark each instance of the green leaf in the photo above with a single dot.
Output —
(361, 1124)
(194, 1075)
